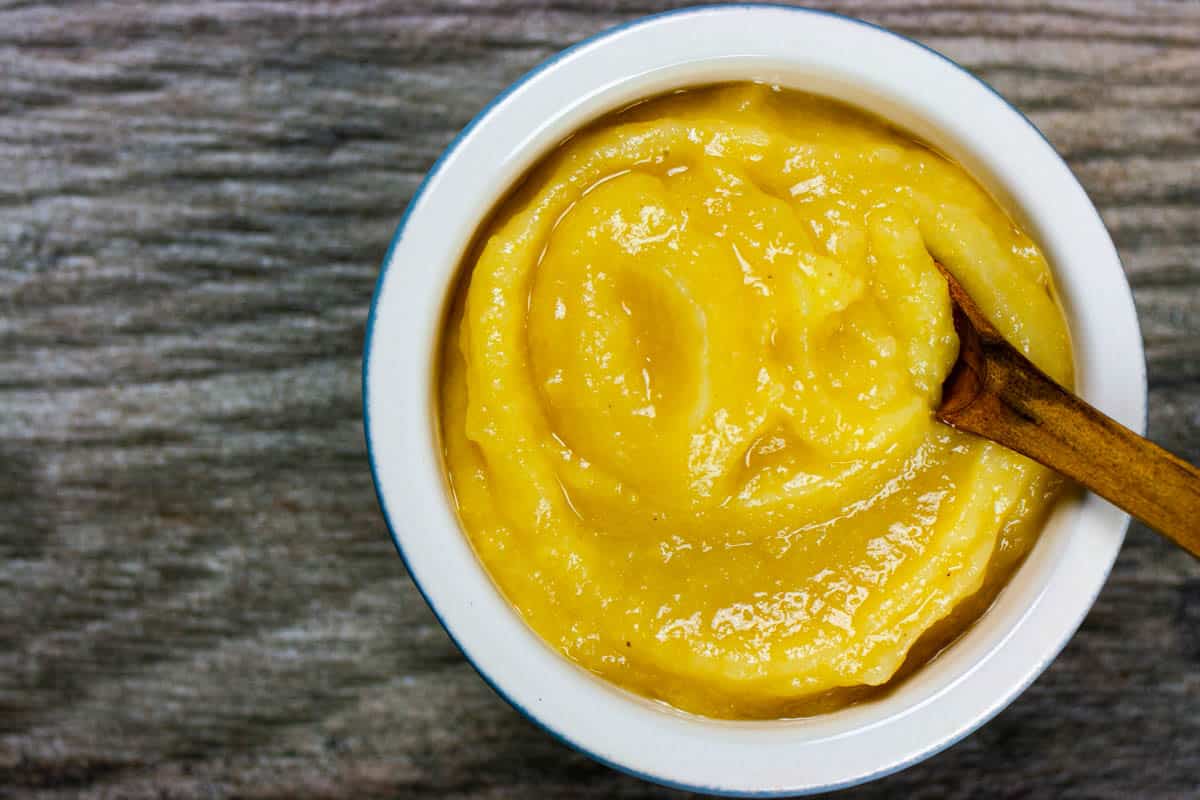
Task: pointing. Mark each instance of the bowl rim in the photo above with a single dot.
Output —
(1112, 521)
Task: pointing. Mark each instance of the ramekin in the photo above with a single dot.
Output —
(884, 73)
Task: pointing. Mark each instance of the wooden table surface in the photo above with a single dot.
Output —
(198, 597)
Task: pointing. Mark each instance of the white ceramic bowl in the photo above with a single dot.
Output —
(879, 71)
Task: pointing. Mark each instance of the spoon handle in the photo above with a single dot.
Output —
(1022, 408)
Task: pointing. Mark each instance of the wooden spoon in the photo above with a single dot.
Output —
(996, 392)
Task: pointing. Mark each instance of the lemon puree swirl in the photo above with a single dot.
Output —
(687, 400)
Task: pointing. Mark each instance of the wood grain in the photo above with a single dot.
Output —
(199, 596)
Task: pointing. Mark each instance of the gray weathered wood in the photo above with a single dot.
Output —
(199, 598)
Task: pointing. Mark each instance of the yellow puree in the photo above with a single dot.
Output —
(687, 408)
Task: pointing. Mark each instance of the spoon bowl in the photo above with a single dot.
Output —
(994, 391)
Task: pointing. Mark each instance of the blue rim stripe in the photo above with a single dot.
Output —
(367, 340)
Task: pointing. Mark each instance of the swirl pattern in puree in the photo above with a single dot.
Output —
(687, 401)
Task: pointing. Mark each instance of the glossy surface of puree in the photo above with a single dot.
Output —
(687, 402)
